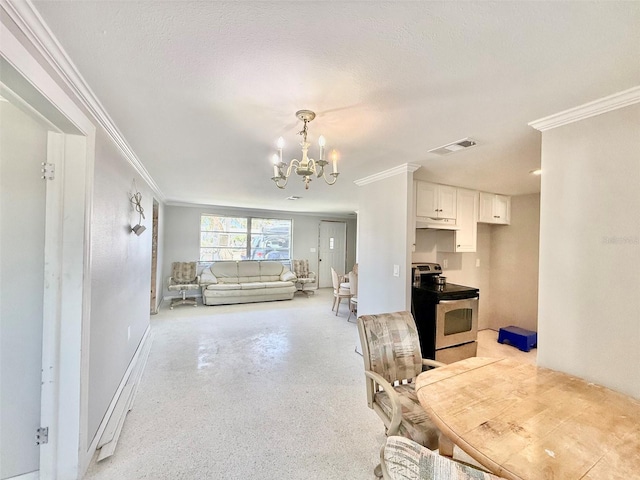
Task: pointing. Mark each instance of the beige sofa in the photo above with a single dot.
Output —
(246, 281)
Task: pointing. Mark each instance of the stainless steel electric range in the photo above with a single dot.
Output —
(446, 314)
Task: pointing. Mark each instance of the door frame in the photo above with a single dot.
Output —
(65, 345)
(154, 258)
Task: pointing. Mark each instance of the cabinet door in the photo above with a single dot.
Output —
(447, 199)
(495, 208)
(501, 209)
(486, 208)
(426, 200)
(467, 213)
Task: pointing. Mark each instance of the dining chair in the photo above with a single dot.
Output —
(404, 459)
(353, 288)
(340, 290)
(392, 361)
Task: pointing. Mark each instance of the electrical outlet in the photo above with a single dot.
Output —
(445, 263)
(477, 262)
(396, 270)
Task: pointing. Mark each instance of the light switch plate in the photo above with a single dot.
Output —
(312, 250)
(396, 270)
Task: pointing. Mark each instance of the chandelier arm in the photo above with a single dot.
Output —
(277, 179)
(334, 175)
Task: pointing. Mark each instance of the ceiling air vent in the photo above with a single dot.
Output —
(293, 197)
(454, 147)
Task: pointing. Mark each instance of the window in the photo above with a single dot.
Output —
(244, 238)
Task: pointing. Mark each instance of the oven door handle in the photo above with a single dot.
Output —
(457, 301)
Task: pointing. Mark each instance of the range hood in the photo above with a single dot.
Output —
(436, 223)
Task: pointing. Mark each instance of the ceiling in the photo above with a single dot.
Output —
(201, 90)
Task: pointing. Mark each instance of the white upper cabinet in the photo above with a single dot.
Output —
(435, 201)
(464, 239)
(494, 209)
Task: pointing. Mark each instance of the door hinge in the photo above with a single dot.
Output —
(42, 435)
(48, 171)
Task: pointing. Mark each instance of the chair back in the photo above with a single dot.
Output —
(301, 268)
(353, 283)
(390, 347)
(183, 272)
(335, 279)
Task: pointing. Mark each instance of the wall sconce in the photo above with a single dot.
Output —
(138, 229)
(136, 199)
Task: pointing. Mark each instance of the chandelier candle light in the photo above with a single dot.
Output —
(307, 166)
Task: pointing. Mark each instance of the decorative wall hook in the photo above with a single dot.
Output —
(136, 200)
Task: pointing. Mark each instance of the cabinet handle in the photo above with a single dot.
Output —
(496, 216)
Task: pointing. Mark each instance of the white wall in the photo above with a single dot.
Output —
(120, 276)
(383, 216)
(589, 306)
(182, 234)
(23, 146)
(514, 266)
(117, 269)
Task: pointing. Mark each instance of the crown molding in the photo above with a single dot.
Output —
(225, 210)
(29, 21)
(591, 109)
(404, 168)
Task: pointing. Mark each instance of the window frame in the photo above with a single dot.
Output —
(250, 236)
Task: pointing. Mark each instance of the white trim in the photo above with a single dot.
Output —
(65, 352)
(262, 211)
(404, 168)
(49, 400)
(146, 338)
(26, 476)
(591, 109)
(31, 23)
(7, 93)
(20, 58)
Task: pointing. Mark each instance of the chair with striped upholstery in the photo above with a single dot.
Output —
(403, 459)
(305, 276)
(392, 361)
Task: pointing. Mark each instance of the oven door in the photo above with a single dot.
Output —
(456, 322)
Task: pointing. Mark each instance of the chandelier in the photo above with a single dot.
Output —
(307, 167)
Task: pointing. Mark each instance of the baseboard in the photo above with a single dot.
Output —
(143, 346)
(27, 476)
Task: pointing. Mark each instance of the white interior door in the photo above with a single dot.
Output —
(332, 251)
(23, 141)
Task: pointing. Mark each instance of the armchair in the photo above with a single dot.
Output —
(183, 278)
(403, 459)
(392, 360)
(301, 269)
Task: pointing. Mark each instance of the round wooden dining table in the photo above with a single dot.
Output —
(524, 422)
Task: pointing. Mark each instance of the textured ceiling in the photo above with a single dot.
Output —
(201, 90)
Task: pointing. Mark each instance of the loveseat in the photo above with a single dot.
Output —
(246, 281)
